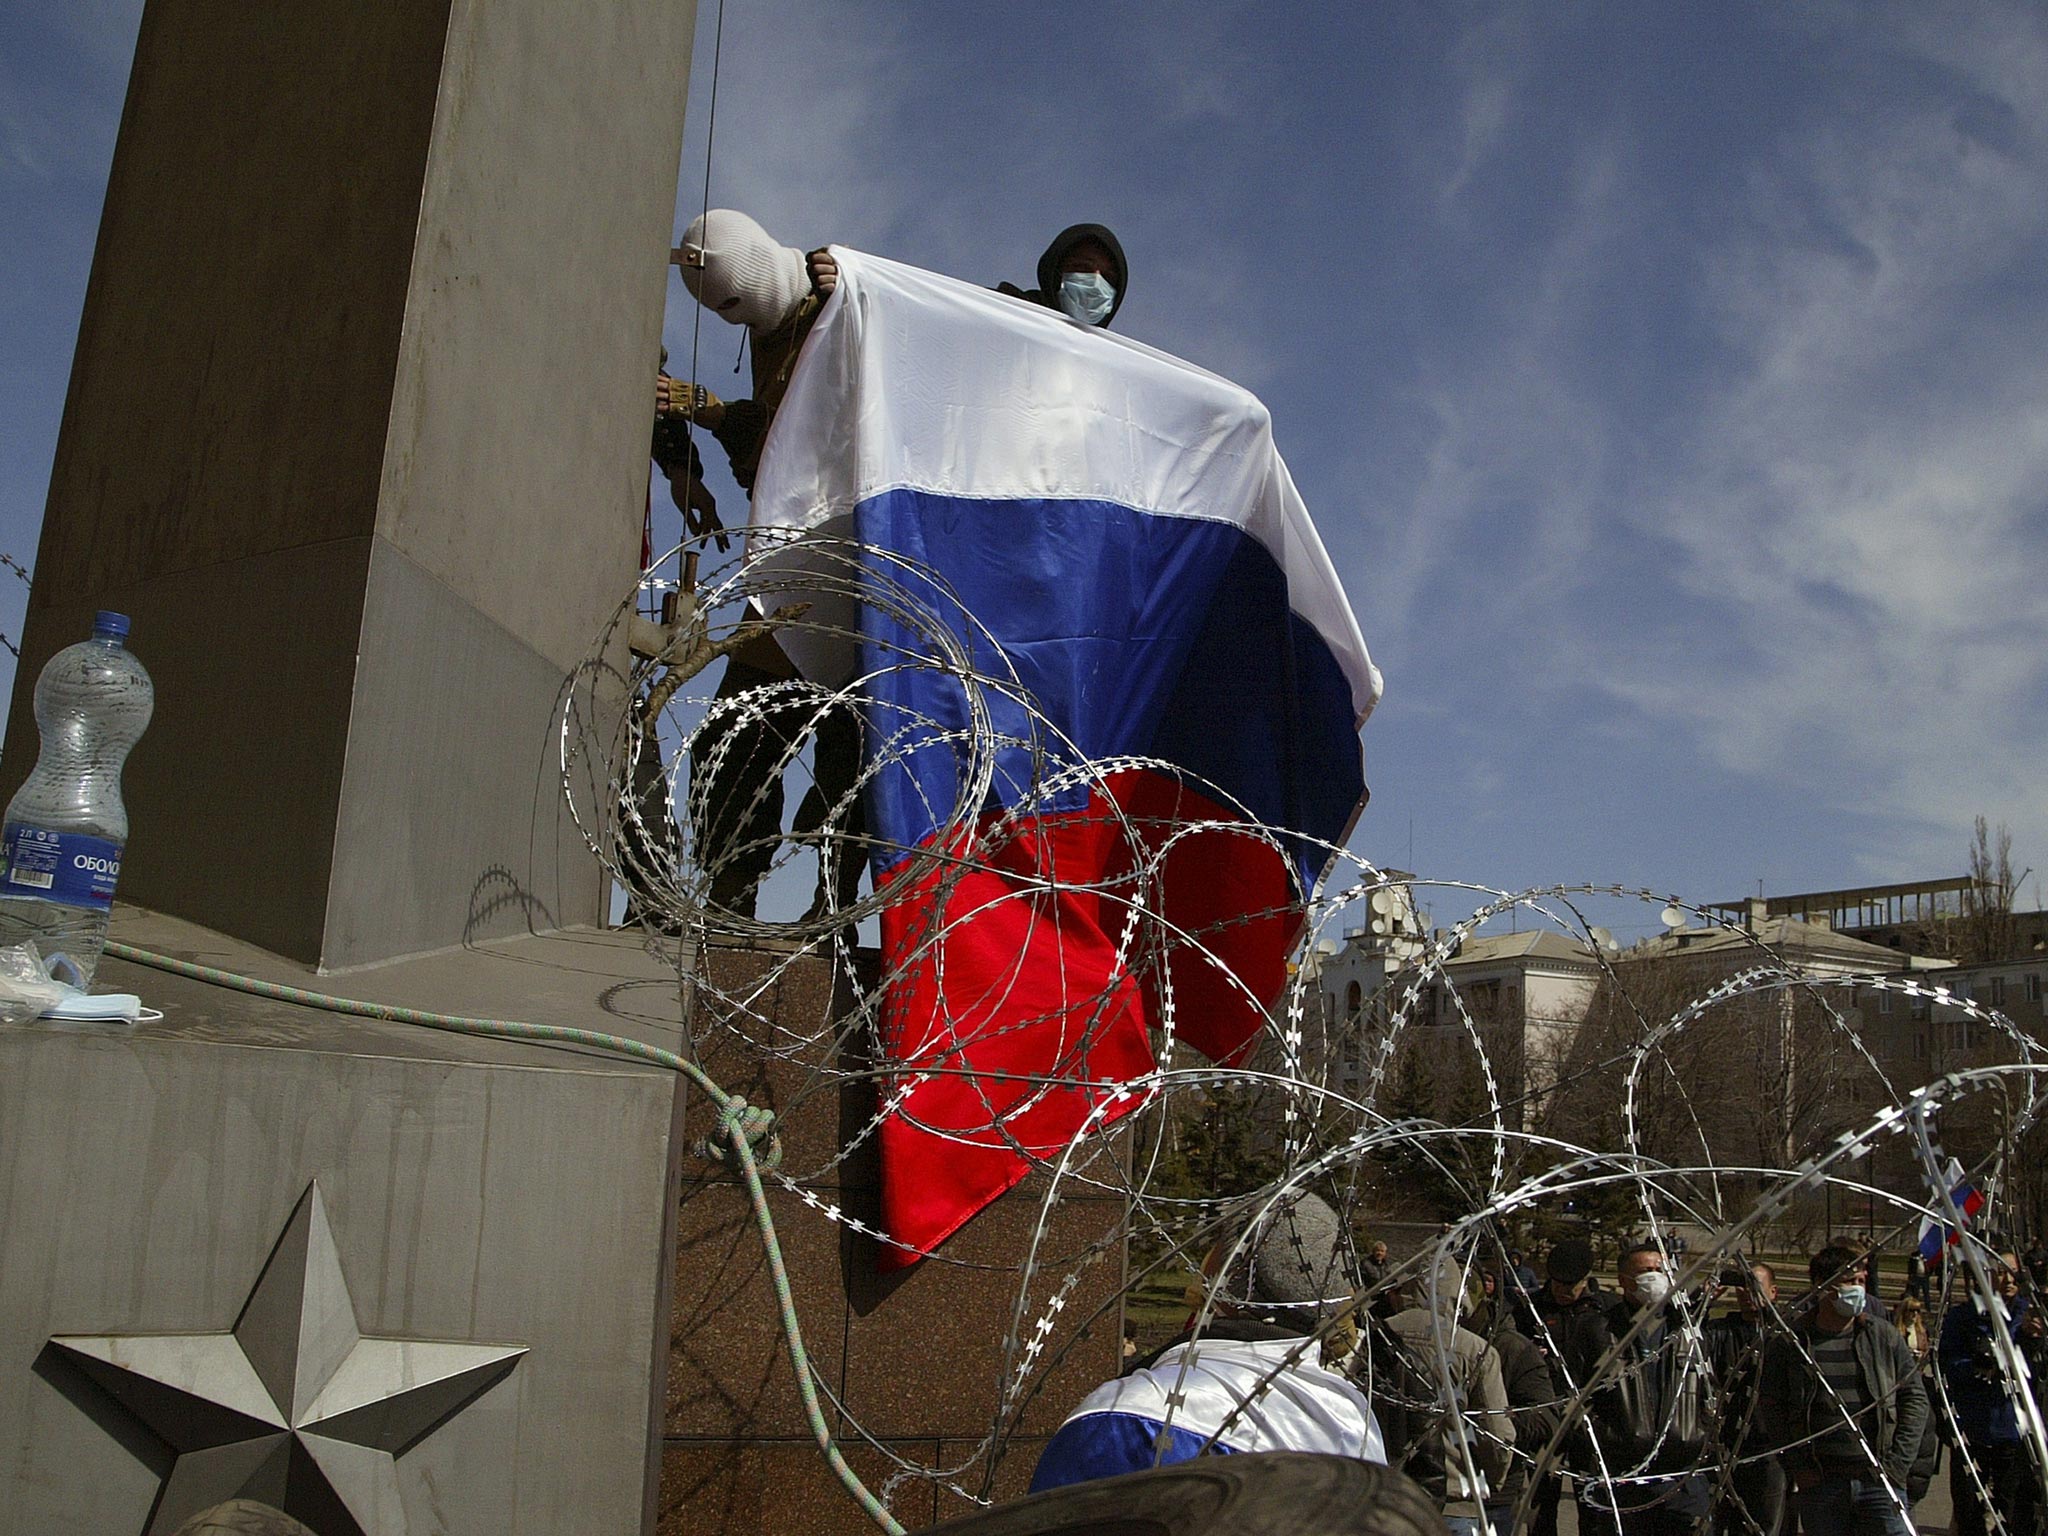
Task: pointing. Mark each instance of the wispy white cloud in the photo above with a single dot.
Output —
(1864, 501)
(1492, 60)
(1513, 486)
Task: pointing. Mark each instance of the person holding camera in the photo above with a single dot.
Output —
(1987, 1417)
(1751, 1500)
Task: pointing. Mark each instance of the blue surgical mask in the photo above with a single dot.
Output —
(1849, 1298)
(1087, 296)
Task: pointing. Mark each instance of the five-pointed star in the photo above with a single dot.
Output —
(294, 1407)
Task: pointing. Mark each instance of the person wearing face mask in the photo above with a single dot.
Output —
(1751, 1498)
(1988, 1417)
(735, 269)
(1840, 1396)
(1082, 274)
(1649, 1416)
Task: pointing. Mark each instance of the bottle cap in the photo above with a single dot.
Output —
(107, 625)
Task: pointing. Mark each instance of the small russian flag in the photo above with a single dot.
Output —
(1966, 1199)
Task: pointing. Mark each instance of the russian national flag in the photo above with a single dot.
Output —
(1965, 1198)
(1270, 1398)
(1111, 527)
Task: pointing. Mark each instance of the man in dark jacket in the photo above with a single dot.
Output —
(1553, 1313)
(1082, 274)
(1840, 1396)
(1372, 1269)
(1751, 1500)
(1986, 1414)
(1649, 1415)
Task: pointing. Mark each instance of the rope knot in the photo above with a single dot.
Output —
(740, 1122)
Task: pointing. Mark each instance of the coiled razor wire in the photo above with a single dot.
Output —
(1634, 1118)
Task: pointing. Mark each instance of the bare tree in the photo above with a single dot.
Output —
(1988, 930)
(1754, 1079)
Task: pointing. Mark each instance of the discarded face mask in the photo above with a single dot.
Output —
(31, 988)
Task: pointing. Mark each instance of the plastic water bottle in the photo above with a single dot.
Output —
(60, 852)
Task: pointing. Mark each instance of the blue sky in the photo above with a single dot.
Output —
(1670, 383)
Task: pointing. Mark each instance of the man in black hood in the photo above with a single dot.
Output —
(1082, 274)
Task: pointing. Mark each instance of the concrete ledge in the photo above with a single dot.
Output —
(477, 1192)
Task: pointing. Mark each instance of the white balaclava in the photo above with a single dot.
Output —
(732, 267)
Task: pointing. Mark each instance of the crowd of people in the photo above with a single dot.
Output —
(1738, 1408)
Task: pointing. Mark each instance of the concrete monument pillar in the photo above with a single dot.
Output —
(357, 433)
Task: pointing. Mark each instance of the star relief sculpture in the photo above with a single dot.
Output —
(294, 1406)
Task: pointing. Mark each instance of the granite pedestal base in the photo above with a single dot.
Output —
(915, 1358)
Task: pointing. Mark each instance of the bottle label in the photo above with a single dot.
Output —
(73, 869)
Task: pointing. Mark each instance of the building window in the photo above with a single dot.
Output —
(1354, 998)
(1960, 987)
(1919, 1008)
(2033, 986)
(1998, 991)
(1884, 1002)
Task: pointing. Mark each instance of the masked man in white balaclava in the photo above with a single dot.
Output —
(737, 271)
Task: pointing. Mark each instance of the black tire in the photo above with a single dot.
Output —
(243, 1517)
(1272, 1493)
